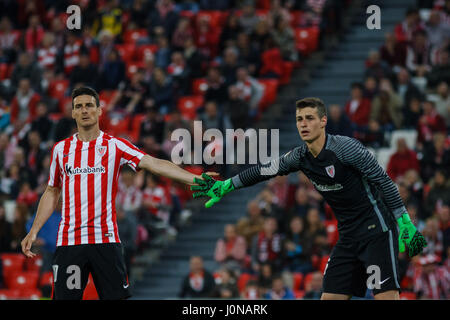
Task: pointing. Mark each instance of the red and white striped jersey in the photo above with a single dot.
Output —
(88, 173)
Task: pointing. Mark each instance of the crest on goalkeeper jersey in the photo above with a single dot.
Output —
(330, 171)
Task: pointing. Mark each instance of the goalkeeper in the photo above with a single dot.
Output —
(365, 201)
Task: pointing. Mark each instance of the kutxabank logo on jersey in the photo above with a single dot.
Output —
(80, 170)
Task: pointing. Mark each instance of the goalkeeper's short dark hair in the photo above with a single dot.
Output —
(85, 91)
(312, 103)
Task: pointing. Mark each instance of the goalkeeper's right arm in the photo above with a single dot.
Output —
(209, 187)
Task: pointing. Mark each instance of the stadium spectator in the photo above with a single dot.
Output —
(279, 290)
(418, 59)
(412, 113)
(230, 65)
(264, 278)
(358, 107)
(393, 52)
(440, 71)
(42, 124)
(338, 122)
(252, 224)
(175, 121)
(47, 52)
(109, 18)
(129, 196)
(113, 72)
(272, 60)
(267, 246)
(194, 58)
(434, 237)
(376, 67)
(34, 153)
(315, 233)
(156, 203)
(414, 183)
(249, 88)
(302, 203)
(404, 30)
(129, 98)
(84, 73)
(18, 230)
(231, 250)
(248, 18)
(5, 231)
(430, 123)
(206, 37)
(164, 19)
(261, 34)
(199, 282)
(238, 109)
(402, 160)
(161, 92)
(442, 101)
(438, 31)
(314, 290)
(212, 117)
(65, 126)
(405, 89)
(435, 156)
(229, 32)
(226, 288)
(152, 125)
(251, 291)
(182, 32)
(284, 37)
(269, 202)
(370, 87)
(431, 281)
(439, 193)
(9, 39)
(297, 248)
(217, 89)
(23, 105)
(103, 49)
(249, 55)
(180, 73)
(26, 68)
(138, 13)
(33, 34)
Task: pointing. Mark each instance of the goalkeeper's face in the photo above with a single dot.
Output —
(309, 125)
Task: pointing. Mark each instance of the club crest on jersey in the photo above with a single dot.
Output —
(330, 171)
(101, 150)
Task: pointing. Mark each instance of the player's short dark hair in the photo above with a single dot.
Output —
(85, 91)
(312, 103)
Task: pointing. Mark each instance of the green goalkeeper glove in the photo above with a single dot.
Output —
(409, 236)
(208, 187)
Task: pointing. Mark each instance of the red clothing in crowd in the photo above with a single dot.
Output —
(232, 249)
(400, 162)
(431, 124)
(15, 109)
(358, 111)
(272, 62)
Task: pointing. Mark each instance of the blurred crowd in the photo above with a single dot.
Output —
(158, 65)
(280, 249)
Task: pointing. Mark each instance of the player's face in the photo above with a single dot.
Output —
(85, 111)
(309, 125)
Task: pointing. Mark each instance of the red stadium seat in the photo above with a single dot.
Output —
(144, 50)
(105, 97)
(46, 279)
(119, 127)
(8, 294)
(12, 262)
(33, 264)
(22, 280)
(188, 106)
(132, 36)
(132, 68)
(5, 71)
(215, 18)
(307, 281)
(296, 18)
(243, 279)
(30, 294)
(90, 293)
(126, 51)
(58, 88)
(299, 294)
(136, 127)
(270, 92)
(408, 296)
(307, 39)
(288, 66)
(199, 86)
(297, 280)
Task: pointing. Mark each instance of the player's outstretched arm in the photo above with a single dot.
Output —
(46, 206)
(170, 170)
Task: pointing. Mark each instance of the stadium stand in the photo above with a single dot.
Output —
(151, 63)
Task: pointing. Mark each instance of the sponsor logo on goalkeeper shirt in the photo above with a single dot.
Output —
(324, 187)
(86, 170)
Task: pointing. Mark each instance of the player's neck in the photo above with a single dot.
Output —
(88, 134)
(317, 145)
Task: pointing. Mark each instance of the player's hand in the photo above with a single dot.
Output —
(209, 187)
(26, 243)
(410, 237)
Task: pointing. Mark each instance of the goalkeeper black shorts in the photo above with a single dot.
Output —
(72, 265)
(355, 266)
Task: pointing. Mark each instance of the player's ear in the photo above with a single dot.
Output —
(324, 121)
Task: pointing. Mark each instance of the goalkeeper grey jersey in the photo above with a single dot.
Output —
(364, 199)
